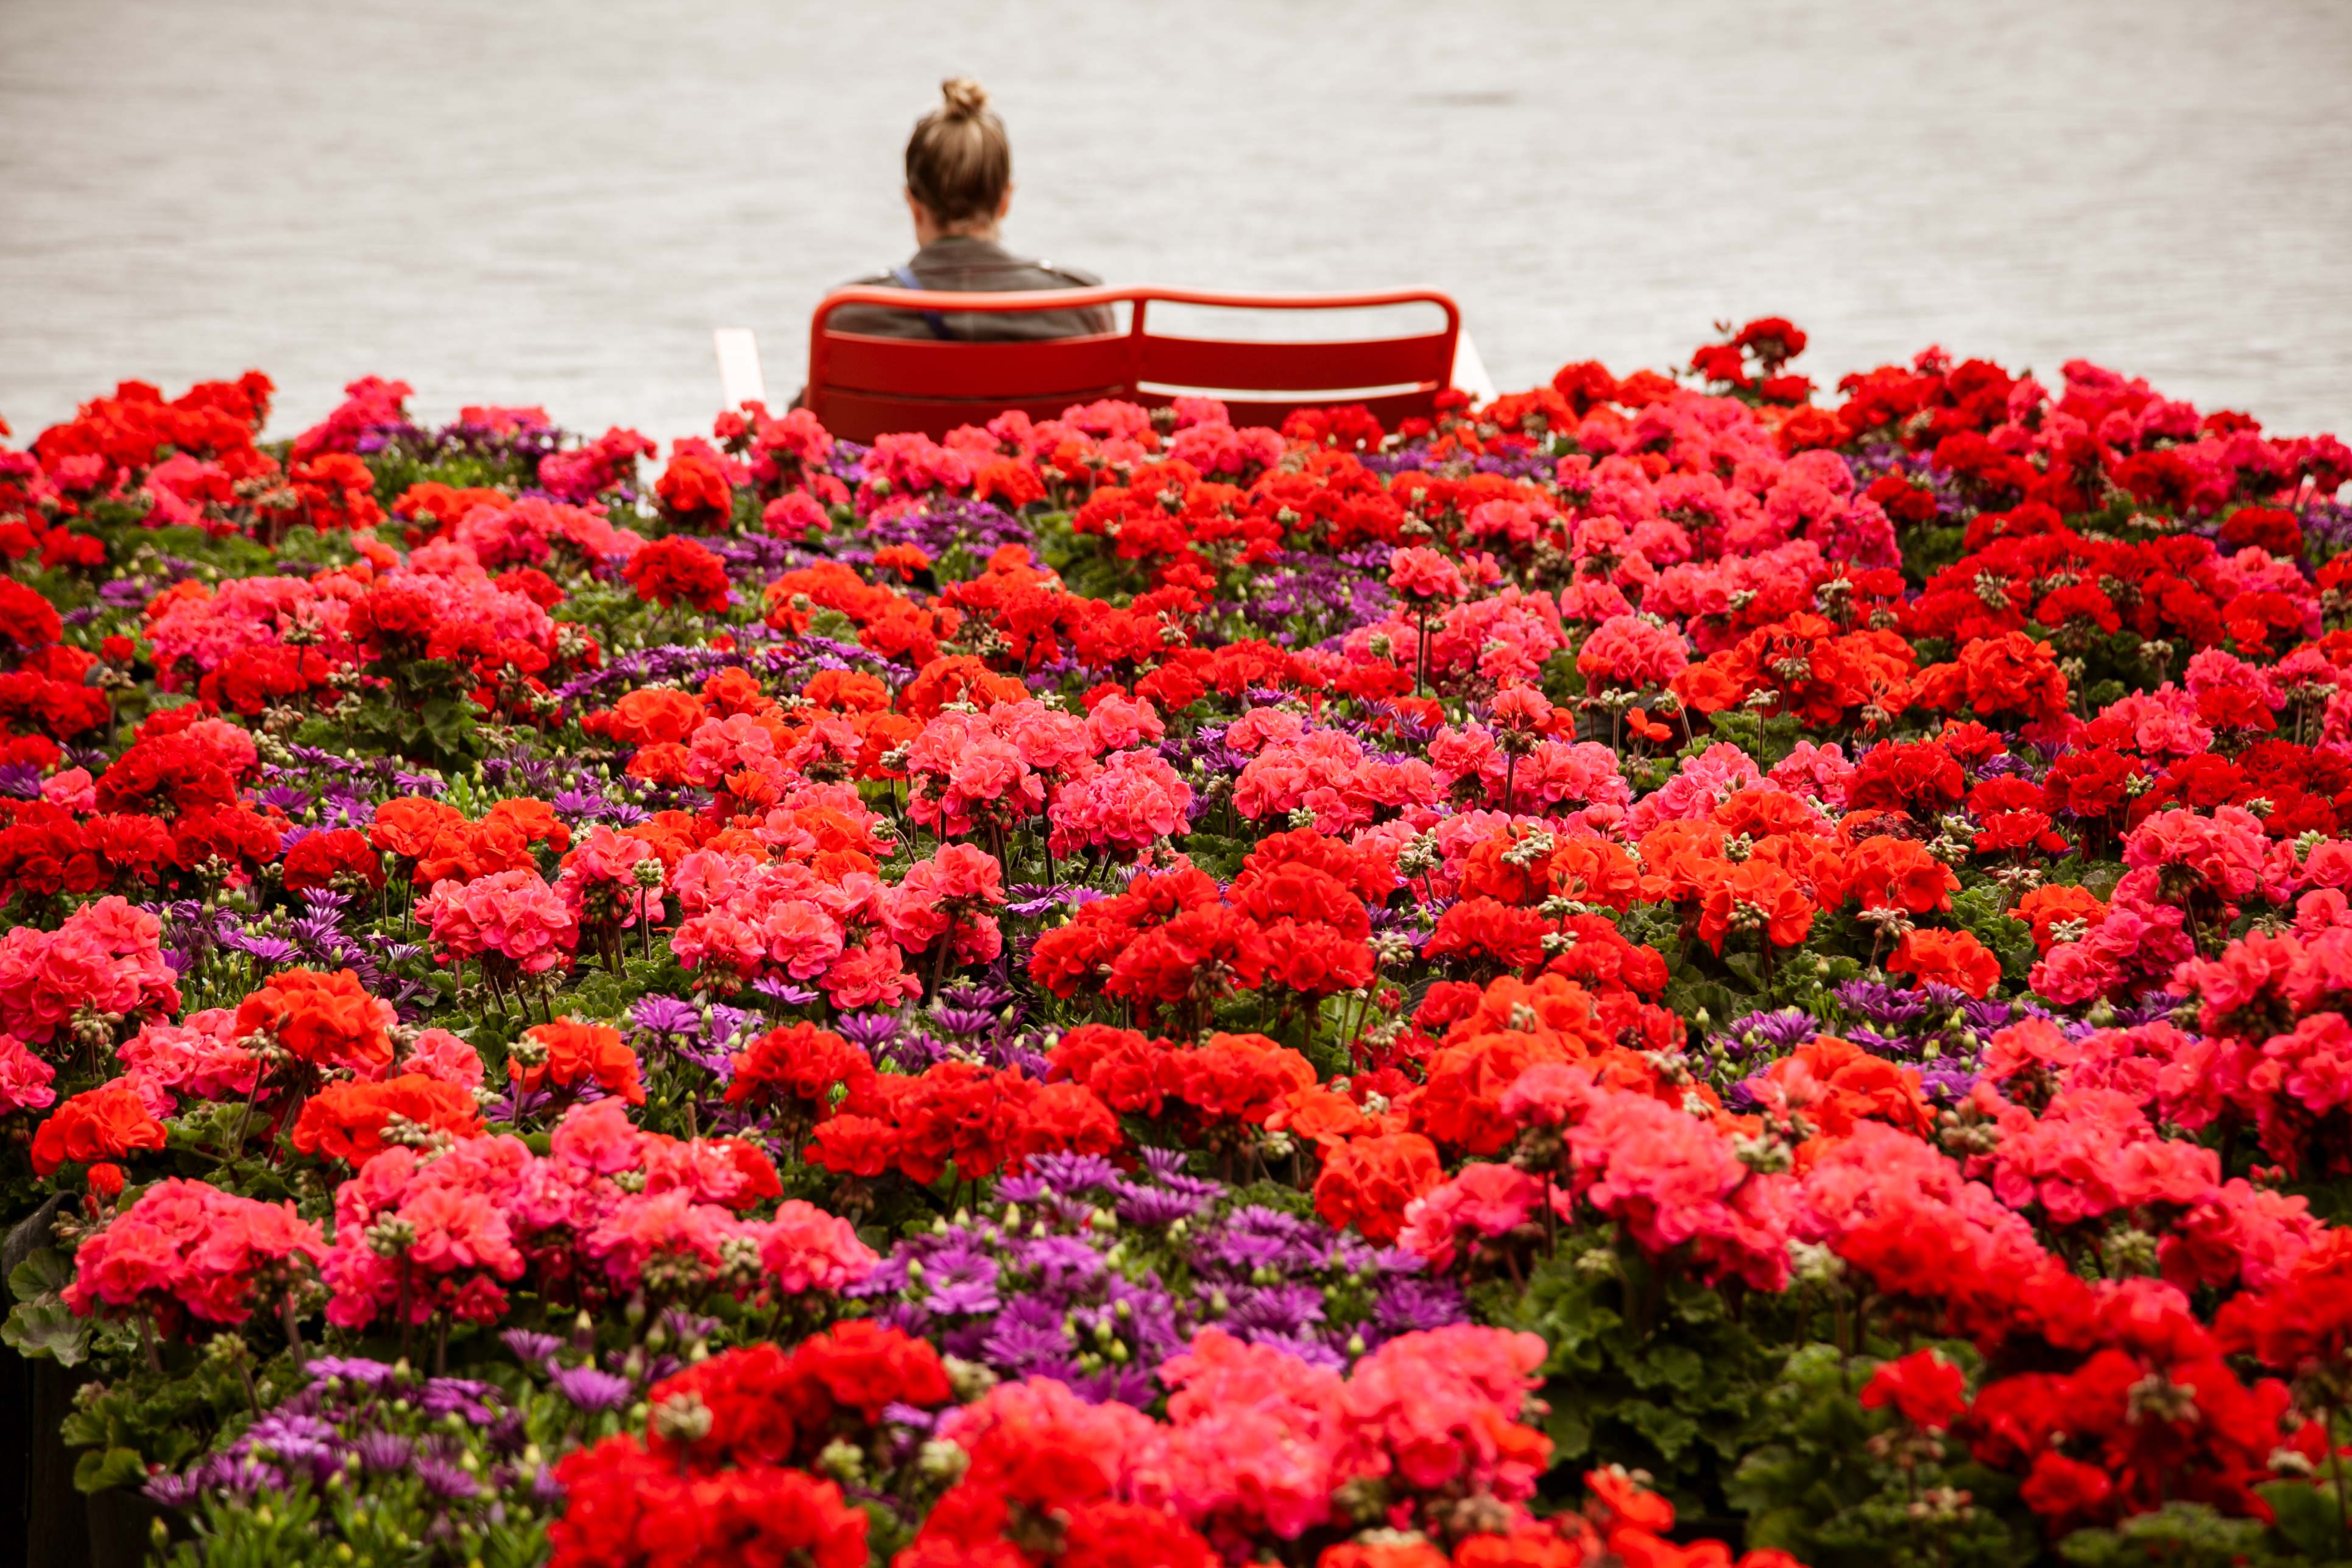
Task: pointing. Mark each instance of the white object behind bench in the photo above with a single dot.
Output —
(1470, 371)
(739, 381)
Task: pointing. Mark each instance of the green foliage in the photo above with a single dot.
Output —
(1708, 1001)
(168, 1416)
(1219, 854)
(40, 1324)
(1927, 551)
(1561, 682)
(1086, 566)
(832, 623)
(1979, 910)
(611, 611)
(273, 1529)
(391, 1520)
(226, 1141)
(306, 550)
(597, 993)
(141, 551)
(1712, 990)
(2192, 1535)
(1767, 740)
(397, 466)
(1839, 1487)
(427, 715)
(1334, 1019)
(2309, 1518)
(1648, 1368)
(1280, 1196)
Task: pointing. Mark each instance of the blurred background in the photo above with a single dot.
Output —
(550, 203)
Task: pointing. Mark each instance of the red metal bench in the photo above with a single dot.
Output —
(863, 386)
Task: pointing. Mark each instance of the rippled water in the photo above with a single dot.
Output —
(554, 202)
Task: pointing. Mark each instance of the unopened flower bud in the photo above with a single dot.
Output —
(936, 1460)
(968, 1379)
(682, 1419)
(843, 1461)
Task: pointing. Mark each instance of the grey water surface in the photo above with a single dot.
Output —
(543, 202)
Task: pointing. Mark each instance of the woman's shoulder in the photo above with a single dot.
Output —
(958, 263)
(1068, 276)
(961, 264)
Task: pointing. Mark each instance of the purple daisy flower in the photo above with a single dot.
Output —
(590, 1390)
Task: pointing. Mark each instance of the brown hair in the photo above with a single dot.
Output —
(959, 164)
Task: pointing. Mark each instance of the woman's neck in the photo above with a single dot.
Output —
(983, 229)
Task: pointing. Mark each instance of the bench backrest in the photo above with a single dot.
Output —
(863, 386)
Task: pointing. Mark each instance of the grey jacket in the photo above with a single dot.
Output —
(958, 264)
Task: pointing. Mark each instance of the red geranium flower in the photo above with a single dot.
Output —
(1952, 958)
(104, 1123)
(1928, 1391)
(1368, 1182)
(341, 855)
(676, 568)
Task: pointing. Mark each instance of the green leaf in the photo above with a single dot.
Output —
(103, 1468)
(1570, 1428)
(46, 1328)
(1763, 1476)
(44, 1272)
(1688, 996)
(1677, 1366)
(449, 721)
(832, 623)
(1670, 1430)
(2180, 1535)
(2306, 1516)
(82, 1428)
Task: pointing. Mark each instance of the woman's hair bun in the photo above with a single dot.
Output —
(958, 162)
(966, 99)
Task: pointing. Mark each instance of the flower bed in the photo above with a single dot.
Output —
(1127, 991)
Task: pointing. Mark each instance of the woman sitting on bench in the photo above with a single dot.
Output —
(958, 188)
